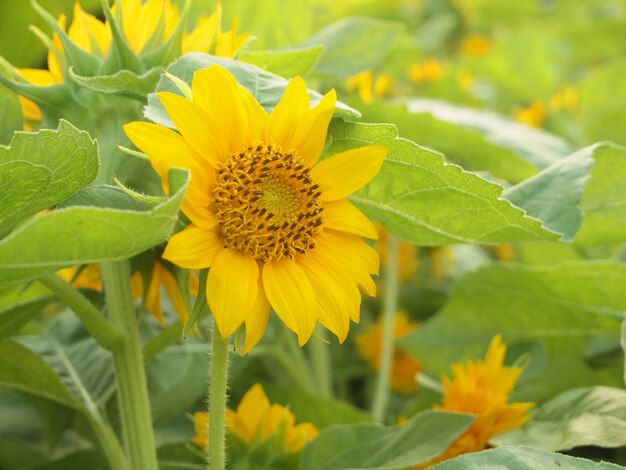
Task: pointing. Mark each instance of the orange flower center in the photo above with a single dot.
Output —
(267, 205)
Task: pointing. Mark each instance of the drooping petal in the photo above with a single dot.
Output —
(172, 289)
(344, 173)
(193, 248)
(257, 320)
(291, 296)
(343, 216)
(232, 289)
(152, 301)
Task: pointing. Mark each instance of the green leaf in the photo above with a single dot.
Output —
(537, 147)
(39, 169)
(88, 234)
(284, 62)
(623, 344)
(604, 199)
(322, 412)
(594, 416)
(521, 458)
(421, 199)
(123, 83)
(561, 306)
(352, 45)
(369, 446)
(13, 318)
(10, 114)
(266, 87)
(553, 195)
(22, 369)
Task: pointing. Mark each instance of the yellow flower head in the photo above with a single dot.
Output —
(367, 87)
(256, 420)
(475, 45)
(408, 262)
(482, 388)
(532, 116)
(566, 98)
(270, 221)
(429, 70)
(151, 294)
(404, 367)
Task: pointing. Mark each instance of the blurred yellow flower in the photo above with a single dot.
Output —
(428, 70)
(566, 98)
(441, 260)
(256, 420)
(464, 79)
(404, 367)
(270, 221)
(408, 262)
(161, 276)
(367, 87)
(533, 115)
(475, 45)
(89, 277)
(482, 388)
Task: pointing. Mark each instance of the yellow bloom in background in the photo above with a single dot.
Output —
(533, 115)
(89, 277)
(428, 70)
(482, 388)
(408, 262)
(464, 79)
(151, 295)
(270, 221)
(256, 420)
(475, 45)
(367, 87)
(441, 260)
(403, 367)
(566, 99)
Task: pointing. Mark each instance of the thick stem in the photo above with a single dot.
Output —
(132, 390)
(320, 362)
(218, 391)
(107, 334)
(381, 394)
(109, 443)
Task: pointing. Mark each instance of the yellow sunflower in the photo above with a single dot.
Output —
(368, 87)
(270, 221)
(256, 420)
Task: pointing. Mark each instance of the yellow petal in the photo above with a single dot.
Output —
(257, 116)
(342, 215)
(291, 296)
(152, 302)
(195, 125)
(357, 249)
(193, 248)
(201, 38)
(310, 136)
(344, 173)
(257, 321)
(232, 289)
(253, 407)
(172, 289)
(146, 23)
(215, 90)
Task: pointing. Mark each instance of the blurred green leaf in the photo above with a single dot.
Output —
(372, 446)
(266, 87)
(421, 199)
(10, 114)
(284, 62)
(521, 458)
(40, 169)
(354, 44)
(87, 234)
(123, 83)
(594, 416)
(13, 318)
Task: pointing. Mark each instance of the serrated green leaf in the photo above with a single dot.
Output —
(40, 169)
(266, 87)
(10, 114)
(284, 62)
(122, 83)
(87, 234)
(13, 318)
(352, 45)
(372, 446)
(560, 306)
(604, 199)
(521, 458)
(23, 370)
(594, 416)
(424, 200)
(553, 195)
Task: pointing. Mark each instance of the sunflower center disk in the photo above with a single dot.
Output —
(267, 205)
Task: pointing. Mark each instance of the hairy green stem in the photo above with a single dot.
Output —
(107, 334)
(109, 443)
(132, 390)
(218, 394)
(320, 362)
(381, 394)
